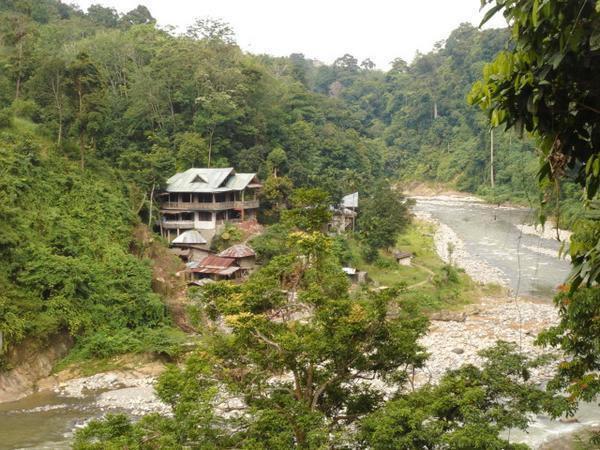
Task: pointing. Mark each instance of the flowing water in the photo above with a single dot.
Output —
(531, 266)
(491, 235)
(529, 263)
(43, 421)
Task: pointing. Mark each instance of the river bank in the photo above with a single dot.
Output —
(457, 339)
(67, 400)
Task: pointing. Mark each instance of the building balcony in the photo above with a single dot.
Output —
(210, 206)
(247, 204)
(177, 224)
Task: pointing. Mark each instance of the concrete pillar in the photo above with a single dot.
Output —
(243, 206)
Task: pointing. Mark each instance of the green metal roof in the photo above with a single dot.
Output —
(209, 180)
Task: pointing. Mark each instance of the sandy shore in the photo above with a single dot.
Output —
(547, 232)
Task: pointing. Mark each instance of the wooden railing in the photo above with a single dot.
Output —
(247, 204)
(206, 206)
(210, 206)
(173, 224)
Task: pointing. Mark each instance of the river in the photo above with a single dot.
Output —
(528, 265)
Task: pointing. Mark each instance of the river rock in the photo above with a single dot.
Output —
(449, 316)
(454, 343)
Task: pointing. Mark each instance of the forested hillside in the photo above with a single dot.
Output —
(97, 109)
(419, 111)
(65, 235)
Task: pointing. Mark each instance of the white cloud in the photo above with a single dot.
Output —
(323, 29)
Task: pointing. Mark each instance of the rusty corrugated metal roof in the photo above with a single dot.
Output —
(213, 263)
(237, 251)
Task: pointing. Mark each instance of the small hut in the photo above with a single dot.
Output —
(355, 275)
(244, 256)
(344, 215)
(214, 267)
(190, 246)
(403, 258)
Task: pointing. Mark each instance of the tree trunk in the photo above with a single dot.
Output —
(81, 151)
(81, 132)
(210, 138)
(150, 204)
(55, 86)
(300, 437)
(19, 71)
(492, 157)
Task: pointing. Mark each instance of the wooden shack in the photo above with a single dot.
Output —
(244, 256)
(403, 258)
(214, 267)
(190, 246)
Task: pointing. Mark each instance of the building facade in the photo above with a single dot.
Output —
(344, 215)
(204, 199)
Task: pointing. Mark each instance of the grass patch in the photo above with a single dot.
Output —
(431, 284)
(96, 352)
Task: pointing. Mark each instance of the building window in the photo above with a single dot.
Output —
(186, 198)
(187, 216)
(204, 216)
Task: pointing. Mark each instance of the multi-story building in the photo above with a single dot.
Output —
(205, 199)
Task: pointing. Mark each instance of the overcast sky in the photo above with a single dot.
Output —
(322, 29)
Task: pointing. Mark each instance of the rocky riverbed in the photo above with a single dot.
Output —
(451, 249)
(125, 390)
(455, 339)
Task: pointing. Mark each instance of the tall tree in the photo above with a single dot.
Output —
(548, 85)
(84, 89)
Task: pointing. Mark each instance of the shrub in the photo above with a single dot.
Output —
(229, 236)
(6, 118)
(26, 109)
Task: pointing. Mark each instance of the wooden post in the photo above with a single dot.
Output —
(492, 157)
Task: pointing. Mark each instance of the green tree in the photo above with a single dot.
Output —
(299, 358)
(140, 15)
(213, 30)
(383, 214)
(547, 85)
(467, 410)
(216, 109)
(276, 160)
(84, 86)
(274, 197)
(192, 150)
(107, 17)
(310, 209)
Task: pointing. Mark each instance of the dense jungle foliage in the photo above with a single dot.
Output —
(65, 241)
(97, 109)
(548, 85)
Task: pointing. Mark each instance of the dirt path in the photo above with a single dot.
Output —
(424, 282)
